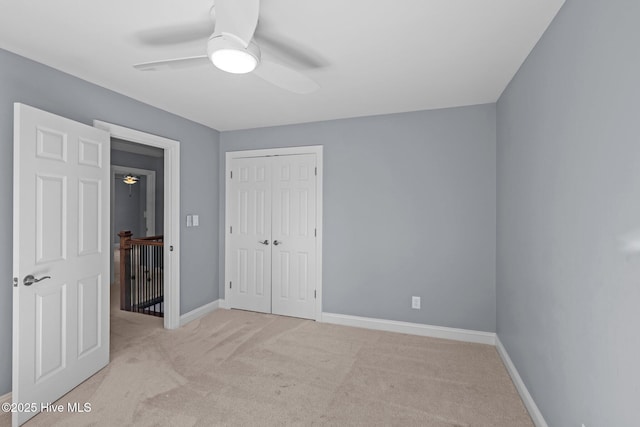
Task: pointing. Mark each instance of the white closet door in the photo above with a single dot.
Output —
(293, 233)
(250, 236)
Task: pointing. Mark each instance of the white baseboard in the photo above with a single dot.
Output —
(5, 398)
(534, 412)
(224, 304)
(200, 311)
(411, 328)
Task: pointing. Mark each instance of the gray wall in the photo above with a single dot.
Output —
(408, 210)
(22, 80)
(124, 158)
(568, 277)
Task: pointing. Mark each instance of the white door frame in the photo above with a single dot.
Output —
(171, 212)
(288, 151)
(150, 210)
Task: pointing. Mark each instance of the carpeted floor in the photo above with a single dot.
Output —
(240, 368)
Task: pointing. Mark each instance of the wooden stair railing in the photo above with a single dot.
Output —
(141, 274)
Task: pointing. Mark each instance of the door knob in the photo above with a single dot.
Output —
(276, 242)
(30, 279)
(264, 242)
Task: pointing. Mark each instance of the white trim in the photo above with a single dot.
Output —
(287, 151)
(465, 335)
(5, 398)
(200, 311)
(320, 230)
(223, 303)
(284, 151)
(150, 209)
(526, 397)
(171, 212)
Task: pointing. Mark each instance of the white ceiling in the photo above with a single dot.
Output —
(375, 57)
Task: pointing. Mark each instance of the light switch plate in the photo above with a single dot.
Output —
(415, 303)
(196, 220)
(189, 221)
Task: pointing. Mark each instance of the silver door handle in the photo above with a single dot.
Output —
(275, 242)
(30, 279)
(264, 242)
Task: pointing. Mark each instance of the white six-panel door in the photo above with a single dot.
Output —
(272, 234)
(61, 229)
(251, 234)
(293, 233)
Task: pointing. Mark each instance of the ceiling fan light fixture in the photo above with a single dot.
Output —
(130, 179)
(234, 61)
(228, 54)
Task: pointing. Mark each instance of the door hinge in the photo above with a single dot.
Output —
(315, 294)
(15, 282)
(230, 285)
(316, 171)
(231, 174)
(315, 232)
(231, 229)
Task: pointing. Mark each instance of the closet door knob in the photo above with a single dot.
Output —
(276, 243)
(264, 242)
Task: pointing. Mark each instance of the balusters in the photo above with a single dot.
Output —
(142, 274)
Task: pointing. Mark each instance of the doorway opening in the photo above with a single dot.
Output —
(165, 221)
(137, 195)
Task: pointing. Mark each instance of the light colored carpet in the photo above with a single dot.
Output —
(240, 368)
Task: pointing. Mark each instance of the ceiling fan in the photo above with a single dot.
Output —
(232, 48)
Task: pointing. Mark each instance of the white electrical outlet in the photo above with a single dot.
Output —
(415, 303)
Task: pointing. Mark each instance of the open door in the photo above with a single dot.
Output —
(60, 256)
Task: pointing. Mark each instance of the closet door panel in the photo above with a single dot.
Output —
(294, 241)
(250, 234)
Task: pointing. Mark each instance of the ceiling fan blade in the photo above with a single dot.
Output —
(237, 17)
(285, 77)
(290, 50)
(175, 34)
(177, 63)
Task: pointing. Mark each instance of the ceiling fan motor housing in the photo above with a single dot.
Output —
(228, 53)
